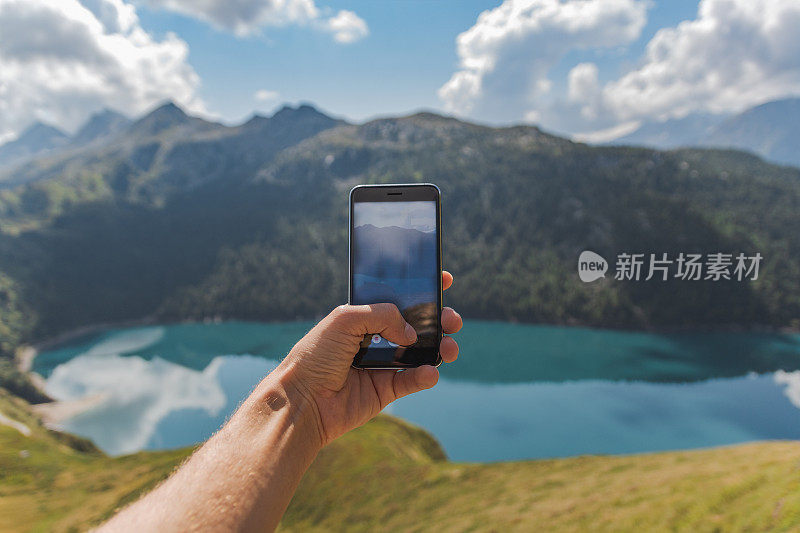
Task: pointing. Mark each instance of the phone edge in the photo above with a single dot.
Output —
(439, 359)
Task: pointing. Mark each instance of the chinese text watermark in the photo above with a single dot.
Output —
(683, 266)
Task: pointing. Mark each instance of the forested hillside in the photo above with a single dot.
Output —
(179, 218)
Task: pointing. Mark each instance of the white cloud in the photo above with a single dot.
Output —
(505, 58)
(263, 95)
(583, 82)
(247, 17)
(63, 59)
(346, 27)
(607, 134)
(735, 54)
(583, 88)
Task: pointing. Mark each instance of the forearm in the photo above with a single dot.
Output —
(244, 476)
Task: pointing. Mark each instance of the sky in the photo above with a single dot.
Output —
(588, 69)
(420, 215)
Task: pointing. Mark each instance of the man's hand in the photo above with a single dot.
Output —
(243, 477)
(342, 397)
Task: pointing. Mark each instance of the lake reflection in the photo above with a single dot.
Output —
(169, 386)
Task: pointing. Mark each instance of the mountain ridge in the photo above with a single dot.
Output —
(250, 222)
(100, 126)
(36, 139)
(769, 130)
(165, 117)
(168, 137)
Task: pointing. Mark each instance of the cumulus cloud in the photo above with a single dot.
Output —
(735, 54)
(346, 27)
(583, 86)
(505, 58)
(60, 60)
(246, 17)
(583, 83)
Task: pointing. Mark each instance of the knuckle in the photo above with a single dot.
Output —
(340, 313)
(390, 312)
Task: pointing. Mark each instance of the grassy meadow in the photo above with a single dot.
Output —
(392, 476)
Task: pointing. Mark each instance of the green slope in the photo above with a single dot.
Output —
(185, 219)
(202, 230)
(391, 476)
(56, 482)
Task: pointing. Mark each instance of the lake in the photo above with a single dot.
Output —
(516, 392)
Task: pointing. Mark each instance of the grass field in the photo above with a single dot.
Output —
(389, 475)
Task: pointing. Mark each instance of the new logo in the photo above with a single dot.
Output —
(591, 266)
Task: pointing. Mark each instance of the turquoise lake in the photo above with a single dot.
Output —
(516, 392)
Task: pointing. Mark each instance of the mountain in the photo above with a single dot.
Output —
(770, 130)
(180, 218)
(168, 117)
(36, 140)
(375, 247)
(100, 127)
(691, 130)
(183, 151)
(397, 265)
(41, 139)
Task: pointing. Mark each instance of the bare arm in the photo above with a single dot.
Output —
(244, 476)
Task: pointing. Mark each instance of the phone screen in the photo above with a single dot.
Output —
(395, 259)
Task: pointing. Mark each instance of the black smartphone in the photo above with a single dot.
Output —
(396, 257)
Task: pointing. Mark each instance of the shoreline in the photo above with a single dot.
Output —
(55, 411)
(69, 335)
(26, 353)
(24, 359)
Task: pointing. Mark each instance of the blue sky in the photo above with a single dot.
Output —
(589, 69)
(398, 68)
(420, 215)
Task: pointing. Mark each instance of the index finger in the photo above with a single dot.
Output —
(447, 280)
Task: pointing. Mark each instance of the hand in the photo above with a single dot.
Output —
(243, 478)
(343, 397)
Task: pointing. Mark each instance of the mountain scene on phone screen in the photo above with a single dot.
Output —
(394, 260)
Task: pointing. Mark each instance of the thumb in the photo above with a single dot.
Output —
(384, 319)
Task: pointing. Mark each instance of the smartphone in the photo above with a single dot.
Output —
(396, 257)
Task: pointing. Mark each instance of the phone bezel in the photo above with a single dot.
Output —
(397, 192)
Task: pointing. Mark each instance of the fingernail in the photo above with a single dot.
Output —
(411, 334)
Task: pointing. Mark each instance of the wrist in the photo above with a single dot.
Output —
(280, 392)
